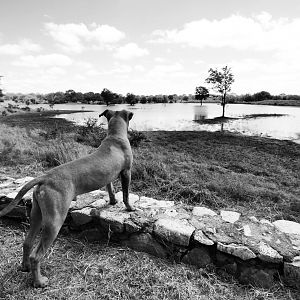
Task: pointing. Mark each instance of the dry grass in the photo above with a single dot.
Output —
(81, 270)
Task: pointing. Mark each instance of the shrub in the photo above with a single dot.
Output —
(136, 137)
(90, 134)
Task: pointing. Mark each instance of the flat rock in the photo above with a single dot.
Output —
(112, 219)
(240, 251)
(268, 254)
(288, 227)
(175, 231)
(201, 238)
(82, 216)
(217, 230)
(230, 216)
(200, 211)
(146, 202)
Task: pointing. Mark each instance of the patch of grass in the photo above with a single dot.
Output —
(59, 151)
(248, 174)
(81, 270)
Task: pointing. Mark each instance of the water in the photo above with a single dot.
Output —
(182, 116)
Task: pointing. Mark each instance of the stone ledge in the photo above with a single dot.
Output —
(255, 251)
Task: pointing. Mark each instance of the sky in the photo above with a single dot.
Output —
(148, 47)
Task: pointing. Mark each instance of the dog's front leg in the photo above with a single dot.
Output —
(125, 181)
(111, 193)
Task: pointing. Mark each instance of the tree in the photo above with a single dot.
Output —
(70, 95)
(201, 93)
(221, 82)
(130, 99)
(263, 95)
(107, 96)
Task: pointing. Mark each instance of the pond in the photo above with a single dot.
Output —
(283, 122)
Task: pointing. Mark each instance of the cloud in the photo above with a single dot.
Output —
(129, 51)
(20, 48)
(53, 60)
(78, 37)
(163, 70)
(260, 32)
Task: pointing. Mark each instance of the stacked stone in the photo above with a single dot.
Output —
(254, 251)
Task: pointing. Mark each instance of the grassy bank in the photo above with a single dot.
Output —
(255, 176)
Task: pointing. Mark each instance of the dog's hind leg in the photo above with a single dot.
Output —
(111, 193)
(34, 229)
(54, 209)
(125, 181)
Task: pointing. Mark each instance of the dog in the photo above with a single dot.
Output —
(58, 187)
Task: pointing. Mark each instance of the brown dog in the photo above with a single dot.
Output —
(57, 188)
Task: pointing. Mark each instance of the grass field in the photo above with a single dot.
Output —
(255, 176)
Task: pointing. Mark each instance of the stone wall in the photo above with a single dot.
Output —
(254, 251)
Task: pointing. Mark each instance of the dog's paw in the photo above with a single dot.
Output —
(41, 282)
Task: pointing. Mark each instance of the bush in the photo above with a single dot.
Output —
(136, 137)
(90, 134)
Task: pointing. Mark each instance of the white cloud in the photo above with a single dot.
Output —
(22, 47)
(55, 59)
(129, 51)
(77, 37)
(260, 32)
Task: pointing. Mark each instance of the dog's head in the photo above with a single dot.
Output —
(109, 114)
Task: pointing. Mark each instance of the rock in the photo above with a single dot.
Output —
(146, 202)
(93, 234)
(257, 232)
(240, 251)
(99, 203)
(216, 229)
(201, 238)
(82, 216)
(292, 272)
(175, 231)
(144, 242)
(257, 277)
(288, 227)
(112, 219)
(199, 257)
(202, 211)
(131, 227)
(264, 221)
(268, 254)
(230, 216)
(247, 230)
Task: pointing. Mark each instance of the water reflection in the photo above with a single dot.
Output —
(200, 113)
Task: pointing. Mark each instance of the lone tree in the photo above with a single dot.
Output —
(201, 93)
(221, 82)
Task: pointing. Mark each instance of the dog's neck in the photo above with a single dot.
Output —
(117, 127)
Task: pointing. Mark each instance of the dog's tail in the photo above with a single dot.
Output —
(21, 193)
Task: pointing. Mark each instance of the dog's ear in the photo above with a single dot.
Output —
(107, 114)
(130, 115)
